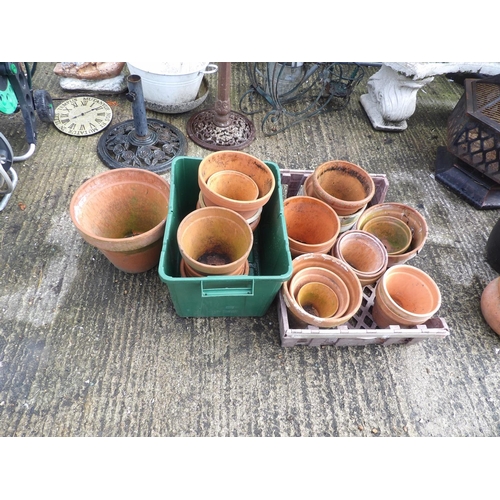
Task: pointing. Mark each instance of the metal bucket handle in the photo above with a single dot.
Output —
(214, 69)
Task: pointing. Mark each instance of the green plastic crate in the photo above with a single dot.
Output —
(212, 296)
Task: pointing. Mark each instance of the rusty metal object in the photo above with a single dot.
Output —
(221, 128)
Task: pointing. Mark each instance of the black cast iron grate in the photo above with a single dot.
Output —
(474, 127)
(470, 163)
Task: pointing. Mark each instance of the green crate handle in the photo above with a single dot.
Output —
(226, 290)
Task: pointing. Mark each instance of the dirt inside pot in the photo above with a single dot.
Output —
(214, 258)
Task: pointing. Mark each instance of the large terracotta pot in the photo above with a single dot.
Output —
(364, 252)
(338, 267)
(405, 296)
(411, 217)
(241, 162)
(122, 212)
(214, 240)
(312, 225)
(346, 187)
(490, 304)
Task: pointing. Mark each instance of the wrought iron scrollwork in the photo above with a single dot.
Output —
(297, 91)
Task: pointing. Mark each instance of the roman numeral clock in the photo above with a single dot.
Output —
(82, 116)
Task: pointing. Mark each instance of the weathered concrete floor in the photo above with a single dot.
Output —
(86, 350)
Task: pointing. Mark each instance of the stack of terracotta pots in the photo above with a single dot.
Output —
(235, 180)
(364, 253)
(402, 229)
(216, 239)
(322, 291)
(331, 226)
(345, 186)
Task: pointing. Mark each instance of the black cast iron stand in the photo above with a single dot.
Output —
(142, 142)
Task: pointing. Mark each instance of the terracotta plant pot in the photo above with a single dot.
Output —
(122, 212)
(326, 277)
(241, 162)
(413, 219)
(318, 299)
(338, 267)
(394, 234)
(214, 240)
(233, 185)
(405, 296)
(311, 224)
(364, 252)
(253, 221)
(490, 305)
(346, 187)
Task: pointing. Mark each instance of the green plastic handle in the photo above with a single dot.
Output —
(227, 289)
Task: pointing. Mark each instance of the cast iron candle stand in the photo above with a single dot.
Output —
(221, 128)
(142, 142)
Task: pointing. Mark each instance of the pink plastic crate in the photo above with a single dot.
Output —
(361, 330)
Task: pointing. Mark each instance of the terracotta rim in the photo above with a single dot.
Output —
(101, 182)
(241, 162)
(398, 310)
(365, 277)
(408, 215)
(224, 214)
(350, 170)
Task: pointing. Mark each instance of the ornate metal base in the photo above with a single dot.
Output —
(120, 147)
(204, 131)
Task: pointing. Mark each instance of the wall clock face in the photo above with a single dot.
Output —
(82, 116)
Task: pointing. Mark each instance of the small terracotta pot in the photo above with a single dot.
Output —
(328, 278)
(394, 234)
(214, 240)
(338, 267)
(364, 252)
(122, 212)
(318, 299)
(346, 187)
(490, 305)
(311, 224)
(241, 162)
(233, 185)
(405, 296)
(413, 219)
